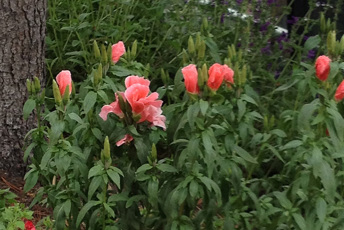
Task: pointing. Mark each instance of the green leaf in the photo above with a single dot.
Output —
(241, 108)
(166, 168)
(144, 168)
(31, 179)
(287, 86)
(95, 170)
(98, 134)
(121, 71)
(114, 177)
(283, 200)
(321, 209)
(89, 101)
(76, 118)
(134, 199)
(312, 42)
(94, 185)
(29, 105)
(85, 209)
(117, 197)
(109, 210)
(249, 99)
(300, 221)
(192, 114)
(193, 188)
(292, 144)
(28, 151)
(204, 106)
(103, 95)
(244, 154)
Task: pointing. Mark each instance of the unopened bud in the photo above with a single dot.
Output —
(341, 44)
(107, 154)
(134, 49)
(185, 57)
(154, 153)
(98, 74)
(37, 84)
(104, 54)
(163, 76)
(33, 88)
(204, 73)
(57, 94)
(201, 51)
(65, 98)
(198, 40)
(331, 41)
(43, 95)
(28, 86)
(322, 23)
(200, 78)
(205, 24)
(96, 50)
(243, 74)
(191, 46)
(109, 53)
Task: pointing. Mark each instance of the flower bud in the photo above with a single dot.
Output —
(204, 74)
(198, 40)
(37, 84)
(28, 86)
(200, 81)
(205, 24)
(107, 154)
(98, 75)
(96, 50)
(243, 74)
(33, 88)
(163, 77)
(322, 23)
(331, 41)
(341, 45)
(201, 50)
(104, 54)
(65, 98)
(191, 46)
(154, 153)
(185, 57)
(57, 94)
(134, 49)
(43, 95)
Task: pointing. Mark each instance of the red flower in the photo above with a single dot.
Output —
(216, 75)
(228, 74)
(118, 50)
(63, 79)
(322, 67)
(127, 138)
(339, 95)
(29, 225)
(146, 105)
(191, 78)
(112, 108)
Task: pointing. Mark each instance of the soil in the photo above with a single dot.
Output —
(16, 185)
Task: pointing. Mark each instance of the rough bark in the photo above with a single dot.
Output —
(22, 34)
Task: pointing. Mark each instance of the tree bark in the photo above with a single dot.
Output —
(22, 35)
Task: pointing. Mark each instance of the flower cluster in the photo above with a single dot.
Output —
(217, 74)
(143, 106)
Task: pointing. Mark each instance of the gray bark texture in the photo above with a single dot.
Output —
(22, 34)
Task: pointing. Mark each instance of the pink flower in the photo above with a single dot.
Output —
(216, 75)
(127, 138)
(191, 78)
(129, 81)
(142, 103)
(29, 225)
(228, 74)
(63, 79)
(322, 67)
(118, 50)
(339, 95)
(112, 108)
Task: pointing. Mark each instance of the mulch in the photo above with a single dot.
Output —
(16, 185)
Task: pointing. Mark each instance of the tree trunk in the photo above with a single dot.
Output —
(22, 34)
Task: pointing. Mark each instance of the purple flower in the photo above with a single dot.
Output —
(239, 1)
(293, 20)
(266, 49)
(270, 2)
(264, 27)
(311, 54)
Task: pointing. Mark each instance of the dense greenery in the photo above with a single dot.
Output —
(263, 153)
